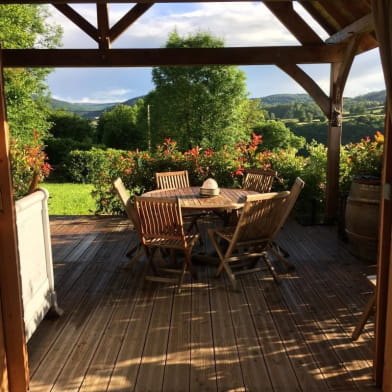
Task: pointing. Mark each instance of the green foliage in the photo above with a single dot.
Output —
(277, 136)
(361, 159)
(204, 105)
(28, 165)
(69, 125)
(118, 127)
(24, 26)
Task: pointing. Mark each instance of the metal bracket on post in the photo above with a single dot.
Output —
(387, 188)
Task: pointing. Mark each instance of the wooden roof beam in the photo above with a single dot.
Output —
(285, 12)
(172, 56)
(127, 1)
(362, 25)
(130, 17)
(76, 18)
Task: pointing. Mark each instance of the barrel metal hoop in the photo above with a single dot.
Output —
(360, 236)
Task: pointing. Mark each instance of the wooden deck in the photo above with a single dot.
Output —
(121, 334)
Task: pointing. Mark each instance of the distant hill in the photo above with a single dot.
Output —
(278, 99)
(89, 110)
(93, 110)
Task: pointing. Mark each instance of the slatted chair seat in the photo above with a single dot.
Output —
(162, 226)
(241, 246)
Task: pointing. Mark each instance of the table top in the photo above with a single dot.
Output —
(190, 198)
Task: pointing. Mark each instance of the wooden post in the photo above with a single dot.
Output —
(334, 141)
(383, 332)
(10, 289)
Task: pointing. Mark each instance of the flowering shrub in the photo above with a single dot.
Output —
(28, 165)
(228, 165)
(363, 158)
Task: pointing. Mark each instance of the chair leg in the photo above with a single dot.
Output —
(130, 252)
(365, 315)
(277, 251)
(137, 256)
(271, 268)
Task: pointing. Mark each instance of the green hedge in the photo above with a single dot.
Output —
(137, 168)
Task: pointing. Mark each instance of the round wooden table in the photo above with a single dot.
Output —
(190, 198)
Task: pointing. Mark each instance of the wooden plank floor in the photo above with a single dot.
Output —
(121, 334)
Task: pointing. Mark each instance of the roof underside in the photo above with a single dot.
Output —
(343, 21)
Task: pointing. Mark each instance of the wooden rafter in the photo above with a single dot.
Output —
(362, 25)
(172, 56)
(285, 12)
(317, 14)
(309, 85)
(130, 17)
(76, 18)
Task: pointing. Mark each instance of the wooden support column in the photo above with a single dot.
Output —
(383, 334)
(10, 288)
(339, 74)
(333, 144)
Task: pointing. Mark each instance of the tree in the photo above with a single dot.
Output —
(276, 135)
(119, 127)
(69, 125)
(24, 26)
(203, 105)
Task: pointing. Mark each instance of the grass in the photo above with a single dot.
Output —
(70, 199)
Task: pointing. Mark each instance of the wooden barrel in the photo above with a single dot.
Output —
(362, 217)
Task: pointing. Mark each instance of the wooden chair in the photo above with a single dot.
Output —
(275, 248)
(239, 247)
(162, 228)
(259, 180)
(369, 308)
(175, 180)
(172, 180)
(130, 209)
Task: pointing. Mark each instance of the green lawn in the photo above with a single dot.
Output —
(70, 199)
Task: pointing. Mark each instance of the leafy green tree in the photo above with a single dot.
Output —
(25, 26)
(203, 105)
(120, 127)
(69, 125)
(276, 136)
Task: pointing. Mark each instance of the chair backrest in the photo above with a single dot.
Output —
(259, 218)
(259, 180)
(294, 193)
(160, 218)
(129, 207)
(172, 180)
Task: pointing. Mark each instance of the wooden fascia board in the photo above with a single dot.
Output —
(76, 18)
(309, 85)
(362, 25)
(285, 12)
(130, 17)
(172, 56)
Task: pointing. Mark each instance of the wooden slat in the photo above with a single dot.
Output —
(172, 56)
(295, 336)
(3, 358)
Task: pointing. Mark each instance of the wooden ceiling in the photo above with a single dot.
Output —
(342, 20)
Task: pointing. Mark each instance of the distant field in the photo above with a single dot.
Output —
(70, 199)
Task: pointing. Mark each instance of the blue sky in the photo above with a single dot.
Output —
(238, 24)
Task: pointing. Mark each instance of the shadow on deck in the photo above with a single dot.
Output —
(121, 334)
